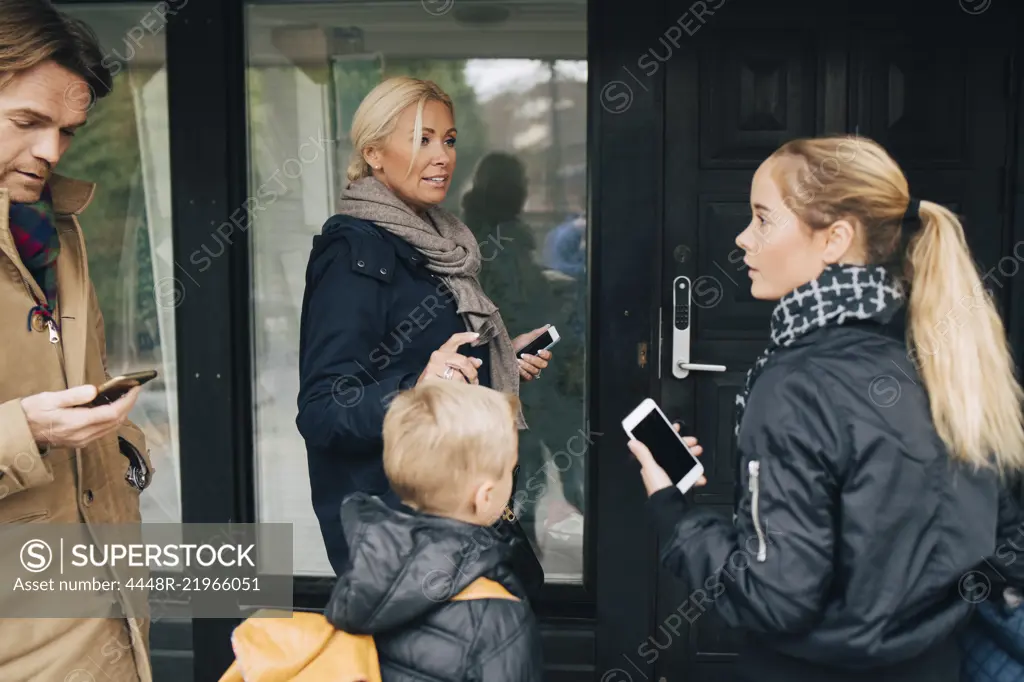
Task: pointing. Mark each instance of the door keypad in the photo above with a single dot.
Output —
(682, 305)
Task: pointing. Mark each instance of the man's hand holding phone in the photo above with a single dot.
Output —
(654, 476)
(61, 420)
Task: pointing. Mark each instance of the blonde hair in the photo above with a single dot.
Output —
(33, 32)
(967, 368)
(377, 117)
(441, 436)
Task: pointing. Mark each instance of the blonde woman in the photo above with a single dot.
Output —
(874, 435)
(392, 300)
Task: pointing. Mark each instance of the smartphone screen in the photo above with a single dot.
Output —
(668, 451)
(538, 344)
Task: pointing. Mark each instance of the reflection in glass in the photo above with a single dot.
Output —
(518, 83)
(124, 149)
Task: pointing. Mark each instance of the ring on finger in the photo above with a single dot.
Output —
(449, 372)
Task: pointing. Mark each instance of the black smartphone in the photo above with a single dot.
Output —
(543, 342)
(116, 387)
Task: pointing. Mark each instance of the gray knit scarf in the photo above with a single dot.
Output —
(452, 252)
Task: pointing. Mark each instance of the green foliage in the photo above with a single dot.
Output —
(106, 151)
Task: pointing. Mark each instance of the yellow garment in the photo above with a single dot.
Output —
(281, 646)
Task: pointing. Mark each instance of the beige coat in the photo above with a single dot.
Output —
(64, 486)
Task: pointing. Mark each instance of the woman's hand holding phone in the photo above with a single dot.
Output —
(530, 366)
(654, 476)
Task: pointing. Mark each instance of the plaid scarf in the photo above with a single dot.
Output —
(34, 230)
(841, 293)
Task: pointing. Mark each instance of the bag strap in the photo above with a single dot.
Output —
(484, 588)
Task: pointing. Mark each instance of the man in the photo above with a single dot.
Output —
(59, 462)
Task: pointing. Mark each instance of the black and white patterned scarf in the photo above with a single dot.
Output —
(841, 293)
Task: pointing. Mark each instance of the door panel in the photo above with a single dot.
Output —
(732, 97)
(754, 96)
(913, 101)
(942, 114)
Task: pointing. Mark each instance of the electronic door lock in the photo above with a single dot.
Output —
(681, 365)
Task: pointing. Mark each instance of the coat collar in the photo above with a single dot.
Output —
(70, 196)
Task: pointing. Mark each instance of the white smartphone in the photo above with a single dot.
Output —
(545, 341)
(649, 425)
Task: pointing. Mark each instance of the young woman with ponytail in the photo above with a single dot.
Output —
(877, 435)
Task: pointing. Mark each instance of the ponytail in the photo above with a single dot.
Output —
(955, 336)
(959, 346)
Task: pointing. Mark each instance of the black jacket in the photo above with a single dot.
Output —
(371, 316)
(856, 534)
(404, 568)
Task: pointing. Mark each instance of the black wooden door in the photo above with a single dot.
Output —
(752, 77)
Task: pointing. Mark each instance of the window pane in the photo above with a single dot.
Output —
(125, 150)
(517, 73)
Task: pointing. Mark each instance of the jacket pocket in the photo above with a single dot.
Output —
(754, 471)
(30, 517)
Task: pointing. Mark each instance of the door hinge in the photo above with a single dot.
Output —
(1001, 204)
(1010, 76)
(659, 358)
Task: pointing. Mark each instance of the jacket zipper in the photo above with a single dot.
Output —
(754, 469)
(54, 335)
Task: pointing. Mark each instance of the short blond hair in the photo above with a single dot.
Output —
(440, 436)
(377, 117)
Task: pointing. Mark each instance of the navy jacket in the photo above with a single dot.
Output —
(371, 316)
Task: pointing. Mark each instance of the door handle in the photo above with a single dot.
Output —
(692, 367)
(681, 365)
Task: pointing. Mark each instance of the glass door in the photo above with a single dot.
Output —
(517, 74)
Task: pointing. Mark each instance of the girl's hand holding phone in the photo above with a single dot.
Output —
(654, 476)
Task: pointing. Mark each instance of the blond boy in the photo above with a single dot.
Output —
(449, 454)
